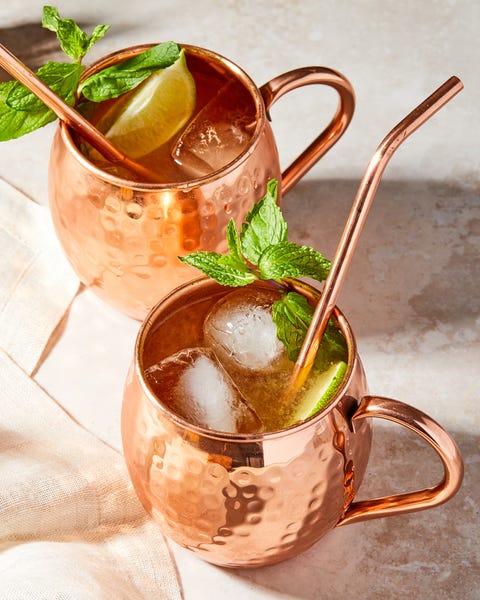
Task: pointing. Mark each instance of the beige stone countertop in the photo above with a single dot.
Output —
(412, 294)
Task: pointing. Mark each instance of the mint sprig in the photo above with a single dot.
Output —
(21, 111)
(264, 225)
(261, 251)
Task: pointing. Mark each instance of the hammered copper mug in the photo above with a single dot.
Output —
(240, 500)
(123, 238)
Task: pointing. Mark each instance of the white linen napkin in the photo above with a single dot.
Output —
(71, 526)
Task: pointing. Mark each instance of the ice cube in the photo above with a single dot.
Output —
(240, 330)
(195, 386)
(219, 133)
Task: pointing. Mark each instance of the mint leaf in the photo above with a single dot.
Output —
(265, 225)
(62, 78)
(292, 315)
(74, 42)
(96, 35)
(15, 123)
(123, 77)
(287, 259)
(218, 267)
(235, 256)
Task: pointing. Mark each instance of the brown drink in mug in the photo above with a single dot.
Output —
(123, 236)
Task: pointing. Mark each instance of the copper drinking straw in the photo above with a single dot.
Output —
(356, 220)
(70, 116)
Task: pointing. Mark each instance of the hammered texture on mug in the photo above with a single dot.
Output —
(245, 502)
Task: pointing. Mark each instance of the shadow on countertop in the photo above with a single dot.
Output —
(417, 260)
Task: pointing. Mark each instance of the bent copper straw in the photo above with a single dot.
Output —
(355, 222)
(70, 116)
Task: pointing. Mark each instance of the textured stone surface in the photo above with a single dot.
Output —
(412, 294)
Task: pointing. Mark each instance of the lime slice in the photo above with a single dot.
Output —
(154, 112)
(320, 391)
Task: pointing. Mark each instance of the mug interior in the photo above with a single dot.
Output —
(171, 310)
(195, 56)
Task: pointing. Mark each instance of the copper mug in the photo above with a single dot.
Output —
(123, 238)
(241, 500)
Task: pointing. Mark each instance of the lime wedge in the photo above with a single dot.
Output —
(154, 112)
(320, 391)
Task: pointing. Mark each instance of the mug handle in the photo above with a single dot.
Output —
(435, 435)
(280, 85)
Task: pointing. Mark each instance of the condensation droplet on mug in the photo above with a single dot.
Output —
(134, 210)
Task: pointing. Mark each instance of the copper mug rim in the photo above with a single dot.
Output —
(232, 67)
(205, 283)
